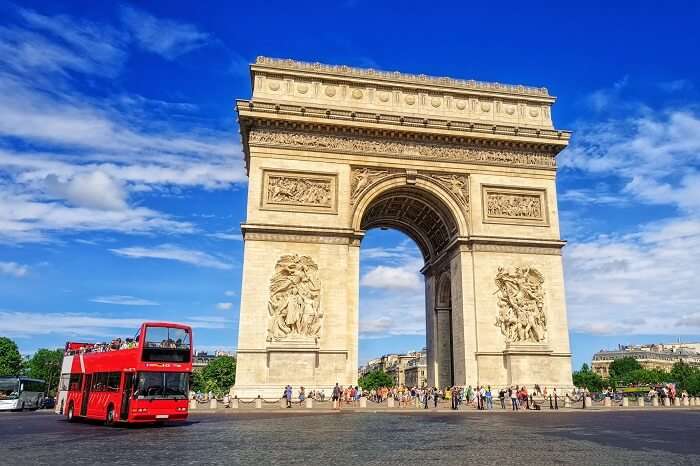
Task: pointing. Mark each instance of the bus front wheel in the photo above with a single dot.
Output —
(109, 420)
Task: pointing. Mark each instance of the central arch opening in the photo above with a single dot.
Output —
(405, 302)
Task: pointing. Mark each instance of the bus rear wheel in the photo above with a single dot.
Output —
(70, 413)
(109, 420)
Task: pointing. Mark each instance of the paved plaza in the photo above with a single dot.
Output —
(523, 438)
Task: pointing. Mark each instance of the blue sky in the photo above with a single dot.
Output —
(122, 185)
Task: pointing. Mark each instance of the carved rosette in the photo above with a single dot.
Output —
(520, 296)
(294, 305)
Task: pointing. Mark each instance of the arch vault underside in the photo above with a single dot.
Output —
(465, 169)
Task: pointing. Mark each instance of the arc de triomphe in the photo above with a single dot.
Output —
(467, 169)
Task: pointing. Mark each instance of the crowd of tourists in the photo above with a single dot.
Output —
(115, 345)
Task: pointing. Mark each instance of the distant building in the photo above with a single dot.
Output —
(653, 356)
(416, 373)
(203, 358)
(396, 365)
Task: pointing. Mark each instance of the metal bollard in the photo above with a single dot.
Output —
(655, 402)
(363, 402)
(390, 402)
(193, 404)
(625, 402)
(640, 401)
(258, 403)
(309, 403)
(212, 403)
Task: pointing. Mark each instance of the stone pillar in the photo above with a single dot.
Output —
(363, 402)
(309, 403)
(336, 404)
(567, 402)
(607, 402)
(193, 404)
(686, 402)
(258, 403)
(640, 401)
(655, 401)
(625, 402)
(283, 402)
(667, 402)
(697, 400)
(234, 403)
(588, 402)
(212, 403)
(390, 402)
(677, 402)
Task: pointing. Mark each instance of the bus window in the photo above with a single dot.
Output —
(75, 382)
(9, 389)
(166, 344)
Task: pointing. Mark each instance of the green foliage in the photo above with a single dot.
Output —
(10, 359)
(218, 376)
(588, 379)
(694, 383)
(645, 376)
(375, 379)
(681, 373)
(46, 365)
(619, 368)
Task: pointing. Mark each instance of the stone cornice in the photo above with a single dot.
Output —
(396, 76)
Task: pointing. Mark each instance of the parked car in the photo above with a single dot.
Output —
(47, 403)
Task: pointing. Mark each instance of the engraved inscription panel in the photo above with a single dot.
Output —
(303, 192)
(513, 205)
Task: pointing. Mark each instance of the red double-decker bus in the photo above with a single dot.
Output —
(144, 379)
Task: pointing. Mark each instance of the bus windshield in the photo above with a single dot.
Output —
(162, 385)
(9, 388)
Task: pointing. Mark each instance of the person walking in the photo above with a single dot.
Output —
(454, 397)
(513, 398)
(556, 401)
(489, 398)
(288, 395)
(436, 395)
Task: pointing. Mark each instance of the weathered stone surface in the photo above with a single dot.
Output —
(332, 153)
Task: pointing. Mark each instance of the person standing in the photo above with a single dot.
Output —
(454, 397)
(556, 401)
(502, 398)
(436, 395)
(489, 398)
(513, 398)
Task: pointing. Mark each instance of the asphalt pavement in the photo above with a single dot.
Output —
(522, 438)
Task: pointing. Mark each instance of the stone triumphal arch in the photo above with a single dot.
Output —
(467, 169)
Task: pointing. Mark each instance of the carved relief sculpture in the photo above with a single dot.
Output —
(520, 297)
(362, 178)
(504, 205)
(298, 190)
(294, 304)
(457, 185)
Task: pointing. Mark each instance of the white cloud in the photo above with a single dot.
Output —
(392, 278)
(230, 293)
(392, 314)
(175, 253)
(124, 300)
(93, 190)
(224, 306)
(165, 37)
(19, 324)
(227, 236)
(13, 269)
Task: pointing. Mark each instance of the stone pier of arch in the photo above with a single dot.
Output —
(466, 169)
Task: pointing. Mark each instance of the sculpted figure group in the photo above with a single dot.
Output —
(520, 296)
(513, 205)
(288, 190)
(294, 300)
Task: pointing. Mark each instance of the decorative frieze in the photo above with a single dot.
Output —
(305, 192)
(397, 148)
(514, 205)
(294, 306)
(457, 185)
(520, 300)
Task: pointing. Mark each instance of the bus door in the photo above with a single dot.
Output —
(86, 394)
(126, 395)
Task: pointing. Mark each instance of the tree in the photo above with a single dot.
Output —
(586, 378)
(645, 376)
(46, 365)
(694, 384)
(681, 373)
(375, 379)
(10, 359)
(620, 367)
(218, 376)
